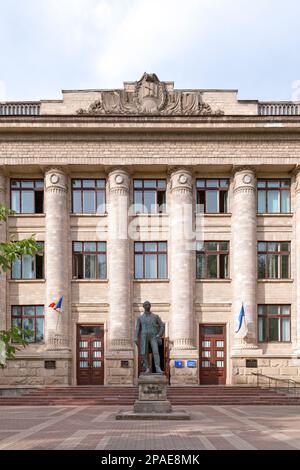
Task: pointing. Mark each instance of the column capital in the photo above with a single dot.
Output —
(244, 179)
(56, 179)
(181, 179)
(119, 180)
(243, 168)
(296, 174)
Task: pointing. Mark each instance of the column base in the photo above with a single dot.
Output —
(184, 375)
(58, 342)
(119, 366)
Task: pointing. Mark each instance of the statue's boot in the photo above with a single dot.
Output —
(157, 364)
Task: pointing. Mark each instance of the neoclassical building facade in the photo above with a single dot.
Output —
(187, 198)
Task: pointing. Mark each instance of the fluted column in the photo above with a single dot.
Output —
(297, 258)
(120, 327)
(244, 253)
(56, 263)
(2, 239)
(182, 272)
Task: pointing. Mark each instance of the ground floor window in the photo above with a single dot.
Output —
(274, 323)
(31, 318)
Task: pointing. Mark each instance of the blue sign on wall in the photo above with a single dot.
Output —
(191, 363)
(178, 363)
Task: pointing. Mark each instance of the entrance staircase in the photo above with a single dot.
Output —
(124, 396)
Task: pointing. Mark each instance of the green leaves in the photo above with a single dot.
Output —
(12, 339)
(4, 212)
(10, 251)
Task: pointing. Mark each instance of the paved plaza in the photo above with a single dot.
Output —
(95, 427)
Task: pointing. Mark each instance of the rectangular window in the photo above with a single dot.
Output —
(212, 196)
(27, 196)
(274, 323)
(88, 196)
(273, 196)
(29, 317)
(149, 196)
(29, 267)
(212, 260)
(150, 260)
(273, 260)
(89, 260)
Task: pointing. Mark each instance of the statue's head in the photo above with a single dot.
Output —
(147, 306)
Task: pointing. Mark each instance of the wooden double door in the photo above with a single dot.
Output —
(212, 354)
(90, 354)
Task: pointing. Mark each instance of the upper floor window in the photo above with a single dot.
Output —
(274, 323)
(212, 260)
(212, 196)
(27, 196)
(273, 260)
(88, 196)
(149, 196)
(29, 267)
(89, 260)
(150, 260)
(273, 196)
(29, 317)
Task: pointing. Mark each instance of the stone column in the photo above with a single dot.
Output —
(297, 258)
(182, 257)
(120, 327)
(244, 253)
(2, 239)
(56, 262)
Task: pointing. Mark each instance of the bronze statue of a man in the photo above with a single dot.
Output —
(151, 328)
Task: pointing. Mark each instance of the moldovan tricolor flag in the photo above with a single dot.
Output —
(57, 305)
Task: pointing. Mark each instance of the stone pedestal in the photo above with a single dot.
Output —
(152, 402)
(152, 395)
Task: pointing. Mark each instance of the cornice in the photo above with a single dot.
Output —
(137, 123)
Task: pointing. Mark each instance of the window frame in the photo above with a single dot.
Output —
(279, 254)
(144, 190)
(42, 243)
(84, 253)
(218, 188)
(34, 190)
(35, 317)
(156, 253)
(266, 318)
(217, 252)
(267, 189)
(82, 189)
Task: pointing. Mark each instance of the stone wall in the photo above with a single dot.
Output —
(32, 372)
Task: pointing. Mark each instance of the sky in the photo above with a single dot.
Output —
(50, 45)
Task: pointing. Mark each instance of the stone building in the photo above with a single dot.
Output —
(187, 198)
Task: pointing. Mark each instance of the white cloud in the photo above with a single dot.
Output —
(2, 90)
(149, 32)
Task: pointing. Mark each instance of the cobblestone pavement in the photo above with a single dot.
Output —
(95, 427)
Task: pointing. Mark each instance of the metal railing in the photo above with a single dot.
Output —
(20, 109)
(278, 109)
(288, 386)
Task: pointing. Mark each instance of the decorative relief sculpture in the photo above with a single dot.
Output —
(150, 96)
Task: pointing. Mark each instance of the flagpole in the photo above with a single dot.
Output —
(57, 320)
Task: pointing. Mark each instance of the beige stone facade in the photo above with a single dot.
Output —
(149, 130)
